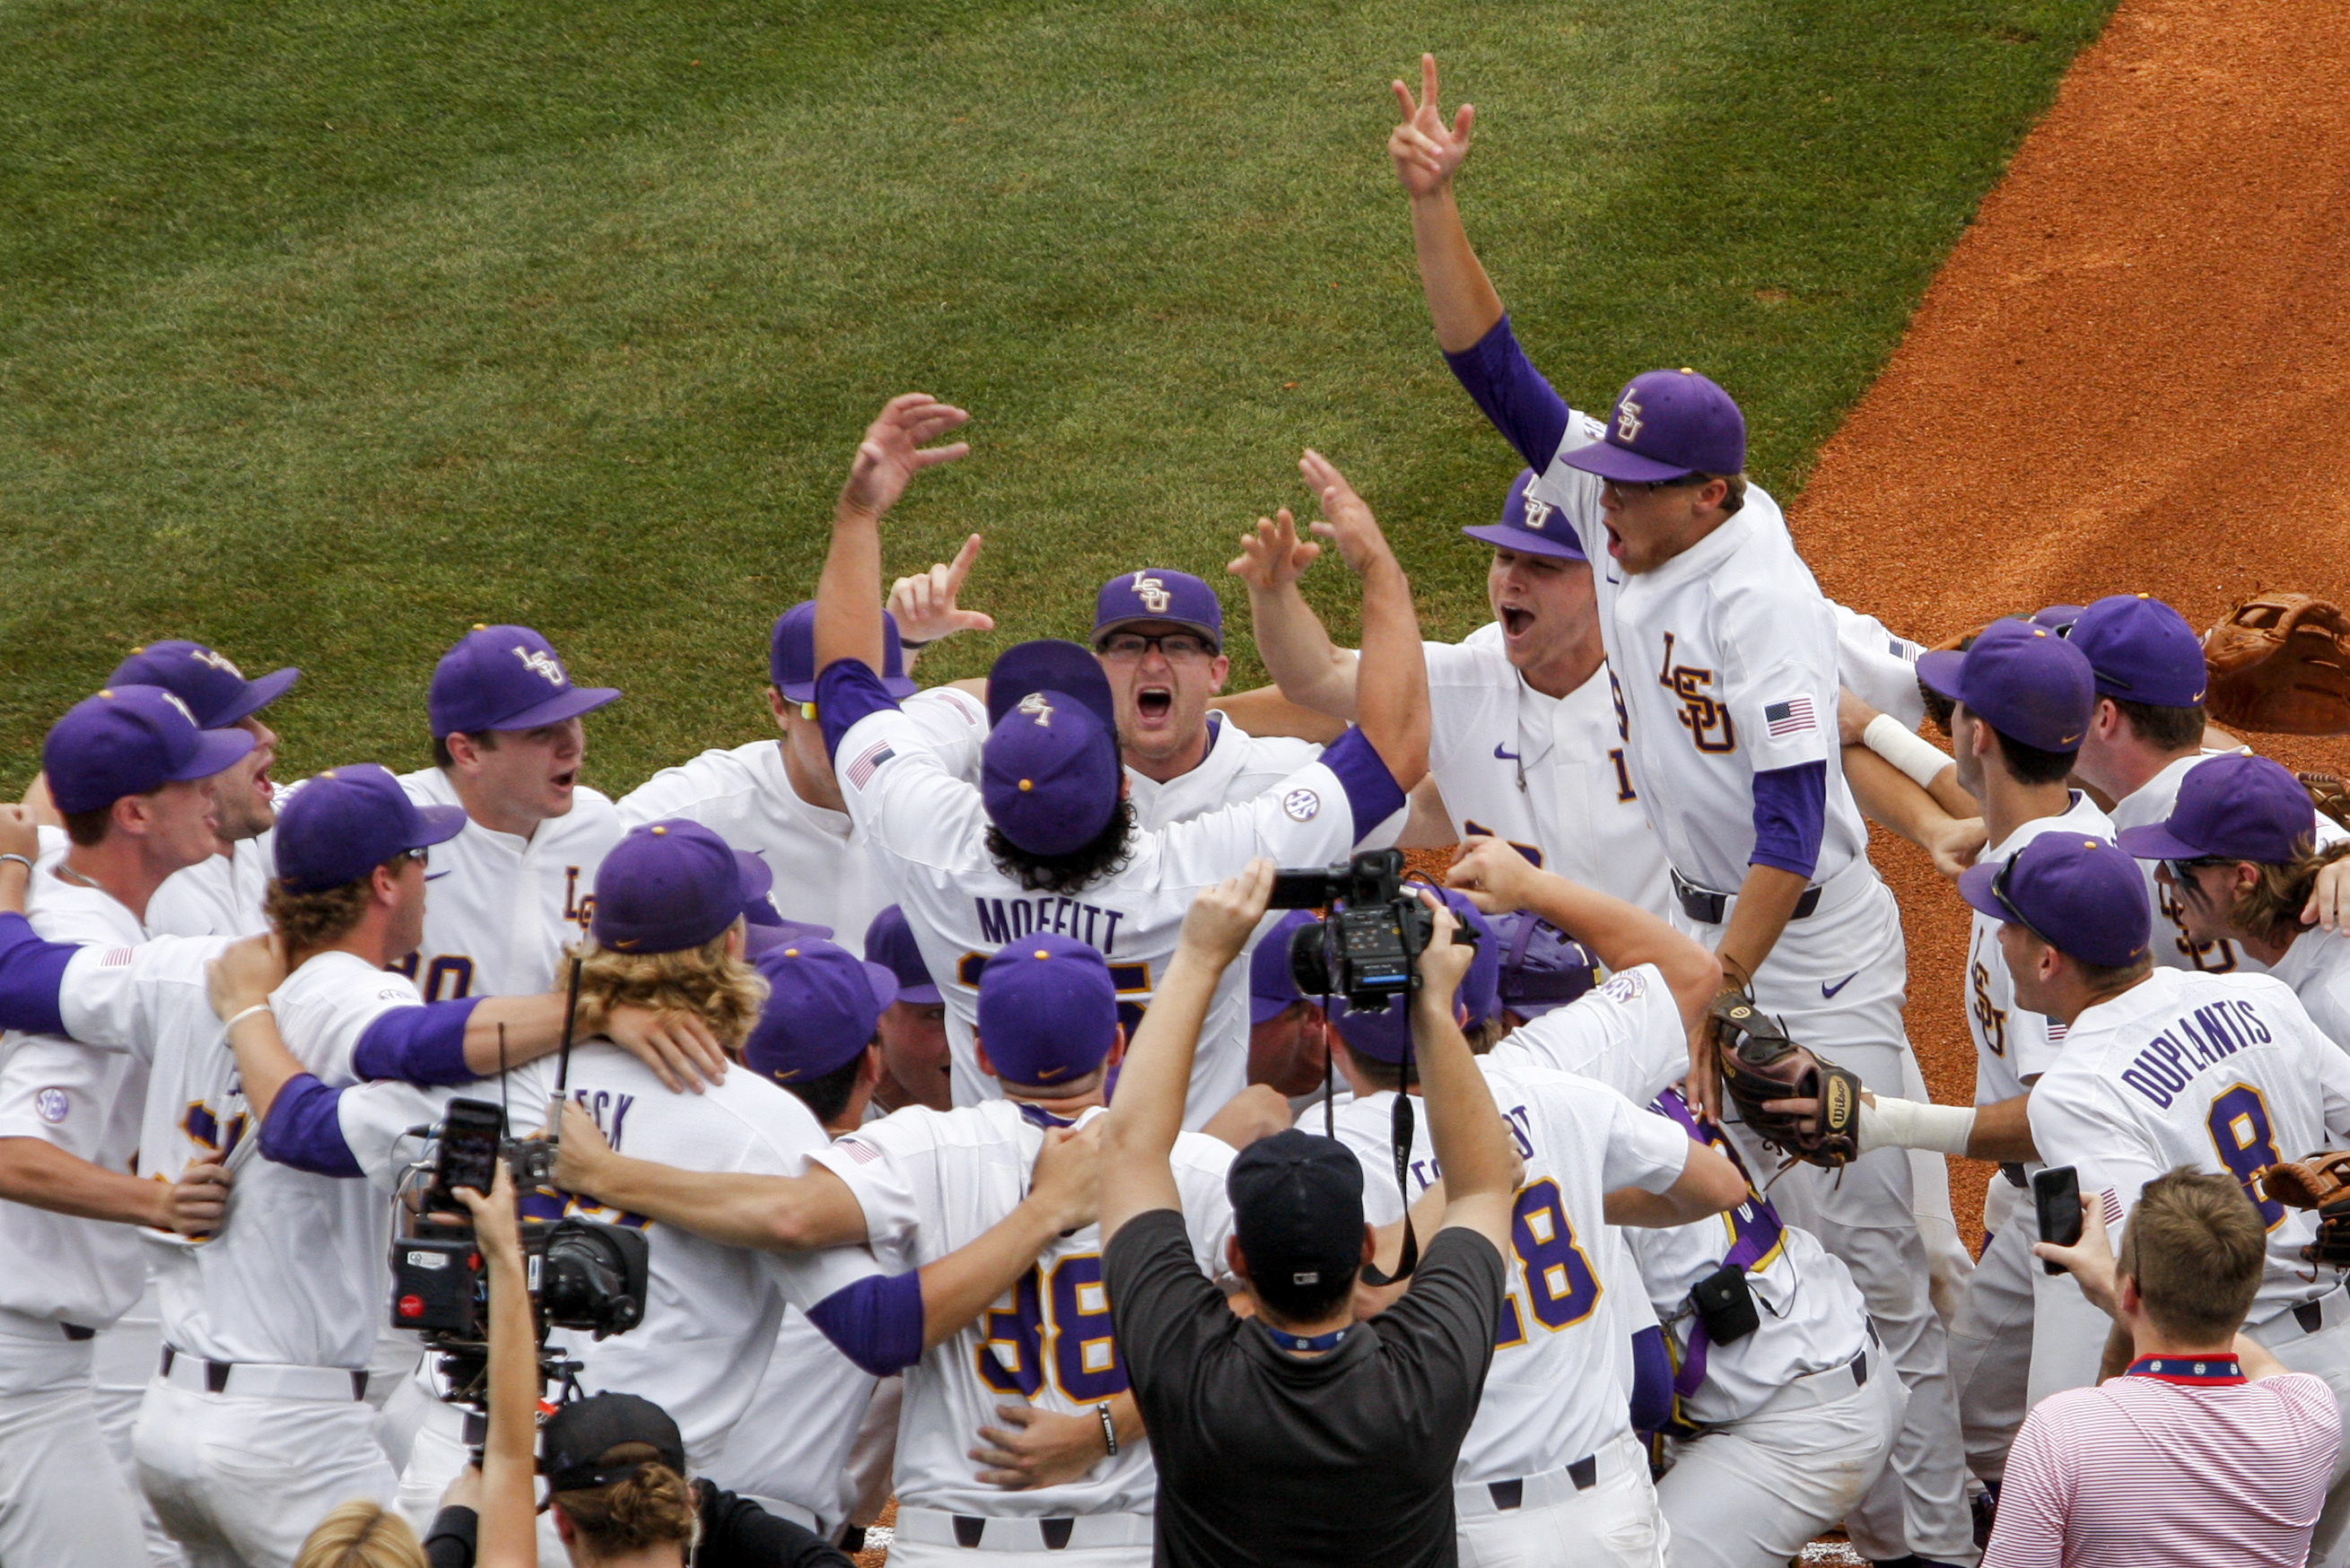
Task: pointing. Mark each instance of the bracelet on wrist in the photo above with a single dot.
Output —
(237, 1018)
(1110, 1428)
(20, 860)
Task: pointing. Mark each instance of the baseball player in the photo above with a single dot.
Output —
(1047, 840)
(2237, 859)
(2164, 1066)
(222, 896)
(1725, 655)
(137, 780)
(1526, 741)
(1289, 1046)
(778, 800)
(918, 1069)
(513, 885)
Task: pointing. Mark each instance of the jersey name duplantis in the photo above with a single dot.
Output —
(712, 1311)
(86, 1101)
(298, 1276)
(929, 833)
(2222, 1072)
(1556, 1391)
(2013, 1043)
(931, 1182)
(500, 908)
(1726, 659)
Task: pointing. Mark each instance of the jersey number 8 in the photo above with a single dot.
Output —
(1560, 1288)
(2245, 1141)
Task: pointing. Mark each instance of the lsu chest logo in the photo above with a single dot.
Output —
(1706, 719)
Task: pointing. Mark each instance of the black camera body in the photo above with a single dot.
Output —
(1366, 948)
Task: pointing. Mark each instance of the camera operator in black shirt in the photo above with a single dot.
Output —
(1298, 1436)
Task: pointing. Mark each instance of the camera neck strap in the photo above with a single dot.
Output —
(1399, 1132)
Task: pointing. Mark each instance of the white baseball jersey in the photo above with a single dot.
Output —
(1550, 774)
(296, 1275)
(929, 833)
(86, 1101)
(1726, 657)
(223, 897)
(2317, 967)
(823, 872)
(1238, 767)
(1557, 1391)
(931, 1182)
(712, 1311)
(2224, 1072)
(501, 909)
(1878, 667)
(2013, 1044)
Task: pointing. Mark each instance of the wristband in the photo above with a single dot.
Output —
(1109, 1429)
(19, 860)
(239, 1018)
(1916, 1124)
(1912, 752)
(910, 645)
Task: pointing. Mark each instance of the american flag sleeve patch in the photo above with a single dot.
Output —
(1792, 717)
(862, 1153)
(868, 762)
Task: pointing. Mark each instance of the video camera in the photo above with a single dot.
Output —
(1365, 951)
(582, 1275)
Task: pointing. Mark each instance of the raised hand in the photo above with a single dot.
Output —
(892, 451)
(244, 975)
(1426, 150)
(1444, 962)
(924, 603)
(1273, 558)
(1066, 1176)
(580, 1150)
(1348, 521)
(1220, 918)
(1494, 875)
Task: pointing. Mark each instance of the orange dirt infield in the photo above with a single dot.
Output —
(2132, 375)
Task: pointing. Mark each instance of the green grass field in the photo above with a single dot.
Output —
(327, 330)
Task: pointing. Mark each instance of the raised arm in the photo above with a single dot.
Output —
(1427, 153)
(509, 1520)
(1391, 679)
(1309, 669)
(1138, 1133)
(1464, 1128)
(849, 593)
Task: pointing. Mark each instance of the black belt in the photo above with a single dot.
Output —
(968, 1530)
(2013, 1171)
(1508, 1494)
(2311, 1315)
(1702, 905)
(75, 1332)
(217, 1373)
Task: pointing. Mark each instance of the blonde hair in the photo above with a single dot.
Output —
(653, 1505)
(726, 992)
(309, 921)
(361, 1535)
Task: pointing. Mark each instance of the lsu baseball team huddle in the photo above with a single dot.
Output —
(884, 967)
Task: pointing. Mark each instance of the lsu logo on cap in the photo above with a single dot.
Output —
(1036, 708)
(1627, 421)
(1538, 512)
(542, 664)
(217, 661)
(173, 697)
(1153, 592)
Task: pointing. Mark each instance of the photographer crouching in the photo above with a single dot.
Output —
(1297, 1435)
(615, 1464)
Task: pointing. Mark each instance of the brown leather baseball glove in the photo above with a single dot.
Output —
(2329, 794)
(1760, 1062)
(2280, 663)
(2321, 1182)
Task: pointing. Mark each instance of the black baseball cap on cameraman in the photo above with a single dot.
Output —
(579, 1436)
(1297, 1213)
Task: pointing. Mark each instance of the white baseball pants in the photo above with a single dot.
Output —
(1614, 1522)
(927, 1538)
(1991, 1343)
(63, 1499)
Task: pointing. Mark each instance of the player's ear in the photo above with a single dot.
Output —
(978, 1047)
(1370, 1244)
(778, 707)
(1234, 1259)
(1117, 1048)
(1218, 668)
(870, 1068)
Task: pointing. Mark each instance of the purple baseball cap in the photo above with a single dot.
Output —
(764, 935)
(2232, 808)
(1542, 967)
(2083, 896)
(791, 655)
(824, 1003)
(1155, 593)
(2023, 680)
(505, 677)
(1384, 1035)
(1049, 769)
(2142, 652)
(2058, 618)
(1530, 525)
(1047, 1010)
(1273, 990)
(345, 822)
(673, 885)
(129, 740)
(214, 690)
(1666, 424)
(889, 942)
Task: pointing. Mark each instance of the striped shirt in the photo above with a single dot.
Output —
(2143, 1471)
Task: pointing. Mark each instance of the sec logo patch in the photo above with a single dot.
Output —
(1302, 805)
(52, 1105)
(1629, 986)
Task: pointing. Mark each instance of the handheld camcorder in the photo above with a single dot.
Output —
(1365, 951)
(582, 1275)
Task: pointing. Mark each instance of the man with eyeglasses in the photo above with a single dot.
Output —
(1725, 657)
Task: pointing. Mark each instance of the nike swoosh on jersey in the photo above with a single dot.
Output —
(1829, 990)
(1504, 756)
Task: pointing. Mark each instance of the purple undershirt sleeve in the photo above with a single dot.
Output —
(1652, 1381)
(846, 690)
(1790, 810)
(417, 1045)
(1372, 792)
(877, 1323)
(32, 972)
(305, 1130)
(1502, 382)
